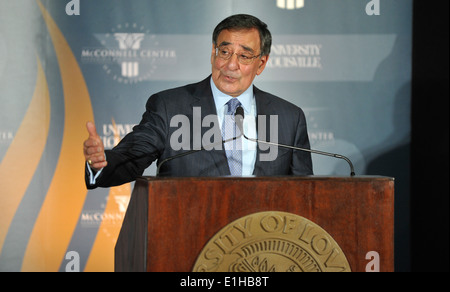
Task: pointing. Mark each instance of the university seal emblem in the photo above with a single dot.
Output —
(272, 242)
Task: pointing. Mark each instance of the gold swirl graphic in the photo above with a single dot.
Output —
(21, 161)
(60, 212)
(101, 258)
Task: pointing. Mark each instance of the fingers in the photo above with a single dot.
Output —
(94, 151)
(93, 146)
(97, 162)
(91, 143)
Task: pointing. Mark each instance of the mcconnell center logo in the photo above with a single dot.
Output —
(130, 41)
(290, 4)
(129, 54)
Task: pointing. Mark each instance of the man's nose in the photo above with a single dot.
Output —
(233, 62)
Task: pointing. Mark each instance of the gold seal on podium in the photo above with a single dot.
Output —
(272, 242)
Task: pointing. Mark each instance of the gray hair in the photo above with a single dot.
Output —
(245, 21)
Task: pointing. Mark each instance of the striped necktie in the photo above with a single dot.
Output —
(233, 149)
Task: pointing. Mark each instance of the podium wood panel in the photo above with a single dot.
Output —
(170, 220)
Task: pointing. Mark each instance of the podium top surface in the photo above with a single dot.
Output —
(273, 178)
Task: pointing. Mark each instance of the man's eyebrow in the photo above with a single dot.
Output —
(224, 44)
(248, 49)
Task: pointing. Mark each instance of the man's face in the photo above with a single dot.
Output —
(230, 76)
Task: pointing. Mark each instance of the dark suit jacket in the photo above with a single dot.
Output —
(150, 140)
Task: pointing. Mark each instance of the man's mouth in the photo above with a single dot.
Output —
(230, 78)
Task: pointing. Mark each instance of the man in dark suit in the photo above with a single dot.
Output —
(240, 51)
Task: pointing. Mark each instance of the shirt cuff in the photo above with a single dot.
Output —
(92, 177)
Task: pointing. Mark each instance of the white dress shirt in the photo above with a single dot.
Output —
(247, 99)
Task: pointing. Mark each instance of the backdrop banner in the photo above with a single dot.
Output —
(346, 63)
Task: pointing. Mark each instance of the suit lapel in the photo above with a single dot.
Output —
(204, 99)
(262, 109)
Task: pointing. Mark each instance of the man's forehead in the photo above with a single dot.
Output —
(248, 39)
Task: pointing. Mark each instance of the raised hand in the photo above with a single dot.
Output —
(94, 151)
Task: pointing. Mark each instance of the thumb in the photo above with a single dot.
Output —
(92, 130)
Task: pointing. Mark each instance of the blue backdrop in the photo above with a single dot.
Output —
(350, 72)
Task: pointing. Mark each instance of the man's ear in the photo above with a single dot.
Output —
(262, 64)
(213, 53)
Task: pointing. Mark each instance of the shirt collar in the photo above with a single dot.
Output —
(221, 99)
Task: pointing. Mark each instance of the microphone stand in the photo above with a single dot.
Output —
(240, 118)
(352, 169)
(192, 152)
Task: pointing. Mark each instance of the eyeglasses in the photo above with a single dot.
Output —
(244, 58)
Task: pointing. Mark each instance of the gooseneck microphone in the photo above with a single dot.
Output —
(239, 118)
(194, 151)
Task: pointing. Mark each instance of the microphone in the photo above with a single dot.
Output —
(194, 151)
(239, 118)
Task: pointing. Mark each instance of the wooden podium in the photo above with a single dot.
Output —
(169, 221)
